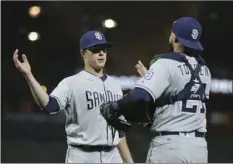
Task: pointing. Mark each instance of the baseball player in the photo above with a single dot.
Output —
(90, 139)
(177, 87)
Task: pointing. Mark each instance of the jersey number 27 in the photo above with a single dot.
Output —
(192, 106)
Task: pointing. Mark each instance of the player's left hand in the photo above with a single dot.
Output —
(111, 115)
(141, 68)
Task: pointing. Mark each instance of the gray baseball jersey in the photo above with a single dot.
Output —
(80, 97)
(168, 77)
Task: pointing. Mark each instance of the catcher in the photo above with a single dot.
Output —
(172, 97)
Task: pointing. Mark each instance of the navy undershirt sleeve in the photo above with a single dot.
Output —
(137, 96)
(121, 133)
(52, 105)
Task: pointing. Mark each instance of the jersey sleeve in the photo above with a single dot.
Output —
(62, 94)
(208, 86)
(156, 80)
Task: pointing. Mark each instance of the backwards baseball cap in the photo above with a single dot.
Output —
(92, 38)
(188, 32)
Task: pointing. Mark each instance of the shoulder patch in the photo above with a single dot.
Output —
(149, 74)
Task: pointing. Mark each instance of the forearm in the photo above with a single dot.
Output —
(124, 151)
(34, 95)
(39, 95)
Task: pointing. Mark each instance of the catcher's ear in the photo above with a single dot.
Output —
(82, 52)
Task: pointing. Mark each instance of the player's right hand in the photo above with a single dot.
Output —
(141, 68)
(24, 67)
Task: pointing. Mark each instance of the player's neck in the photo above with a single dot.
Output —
(91, 70)
(178, 49)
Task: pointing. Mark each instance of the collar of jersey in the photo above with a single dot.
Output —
(103, 78)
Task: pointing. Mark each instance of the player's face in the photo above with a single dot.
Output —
(96, 56)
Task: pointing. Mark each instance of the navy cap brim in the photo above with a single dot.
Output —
(190, 44)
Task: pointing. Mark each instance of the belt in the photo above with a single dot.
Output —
(194, 133)
(92, 148)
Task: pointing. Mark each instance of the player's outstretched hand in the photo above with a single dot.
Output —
(24, 67)
(141, 68)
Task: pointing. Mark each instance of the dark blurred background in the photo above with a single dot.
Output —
(142, 30)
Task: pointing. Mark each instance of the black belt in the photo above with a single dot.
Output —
(92, 148)
(197, 134)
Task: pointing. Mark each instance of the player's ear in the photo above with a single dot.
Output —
(177, 42)
(174, 38)
(82, 52)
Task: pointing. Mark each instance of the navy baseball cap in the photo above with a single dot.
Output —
(188, 32)
(92, 38)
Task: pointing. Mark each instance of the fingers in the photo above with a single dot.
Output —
(16, 51)
(141, 69)
(137, 66)
(15, 55)
(140, 63)
(24, 57)
(16, 59)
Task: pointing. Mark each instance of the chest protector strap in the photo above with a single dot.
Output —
(193, 90)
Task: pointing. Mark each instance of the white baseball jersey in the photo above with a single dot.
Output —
(168, 77)
(80, 97)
